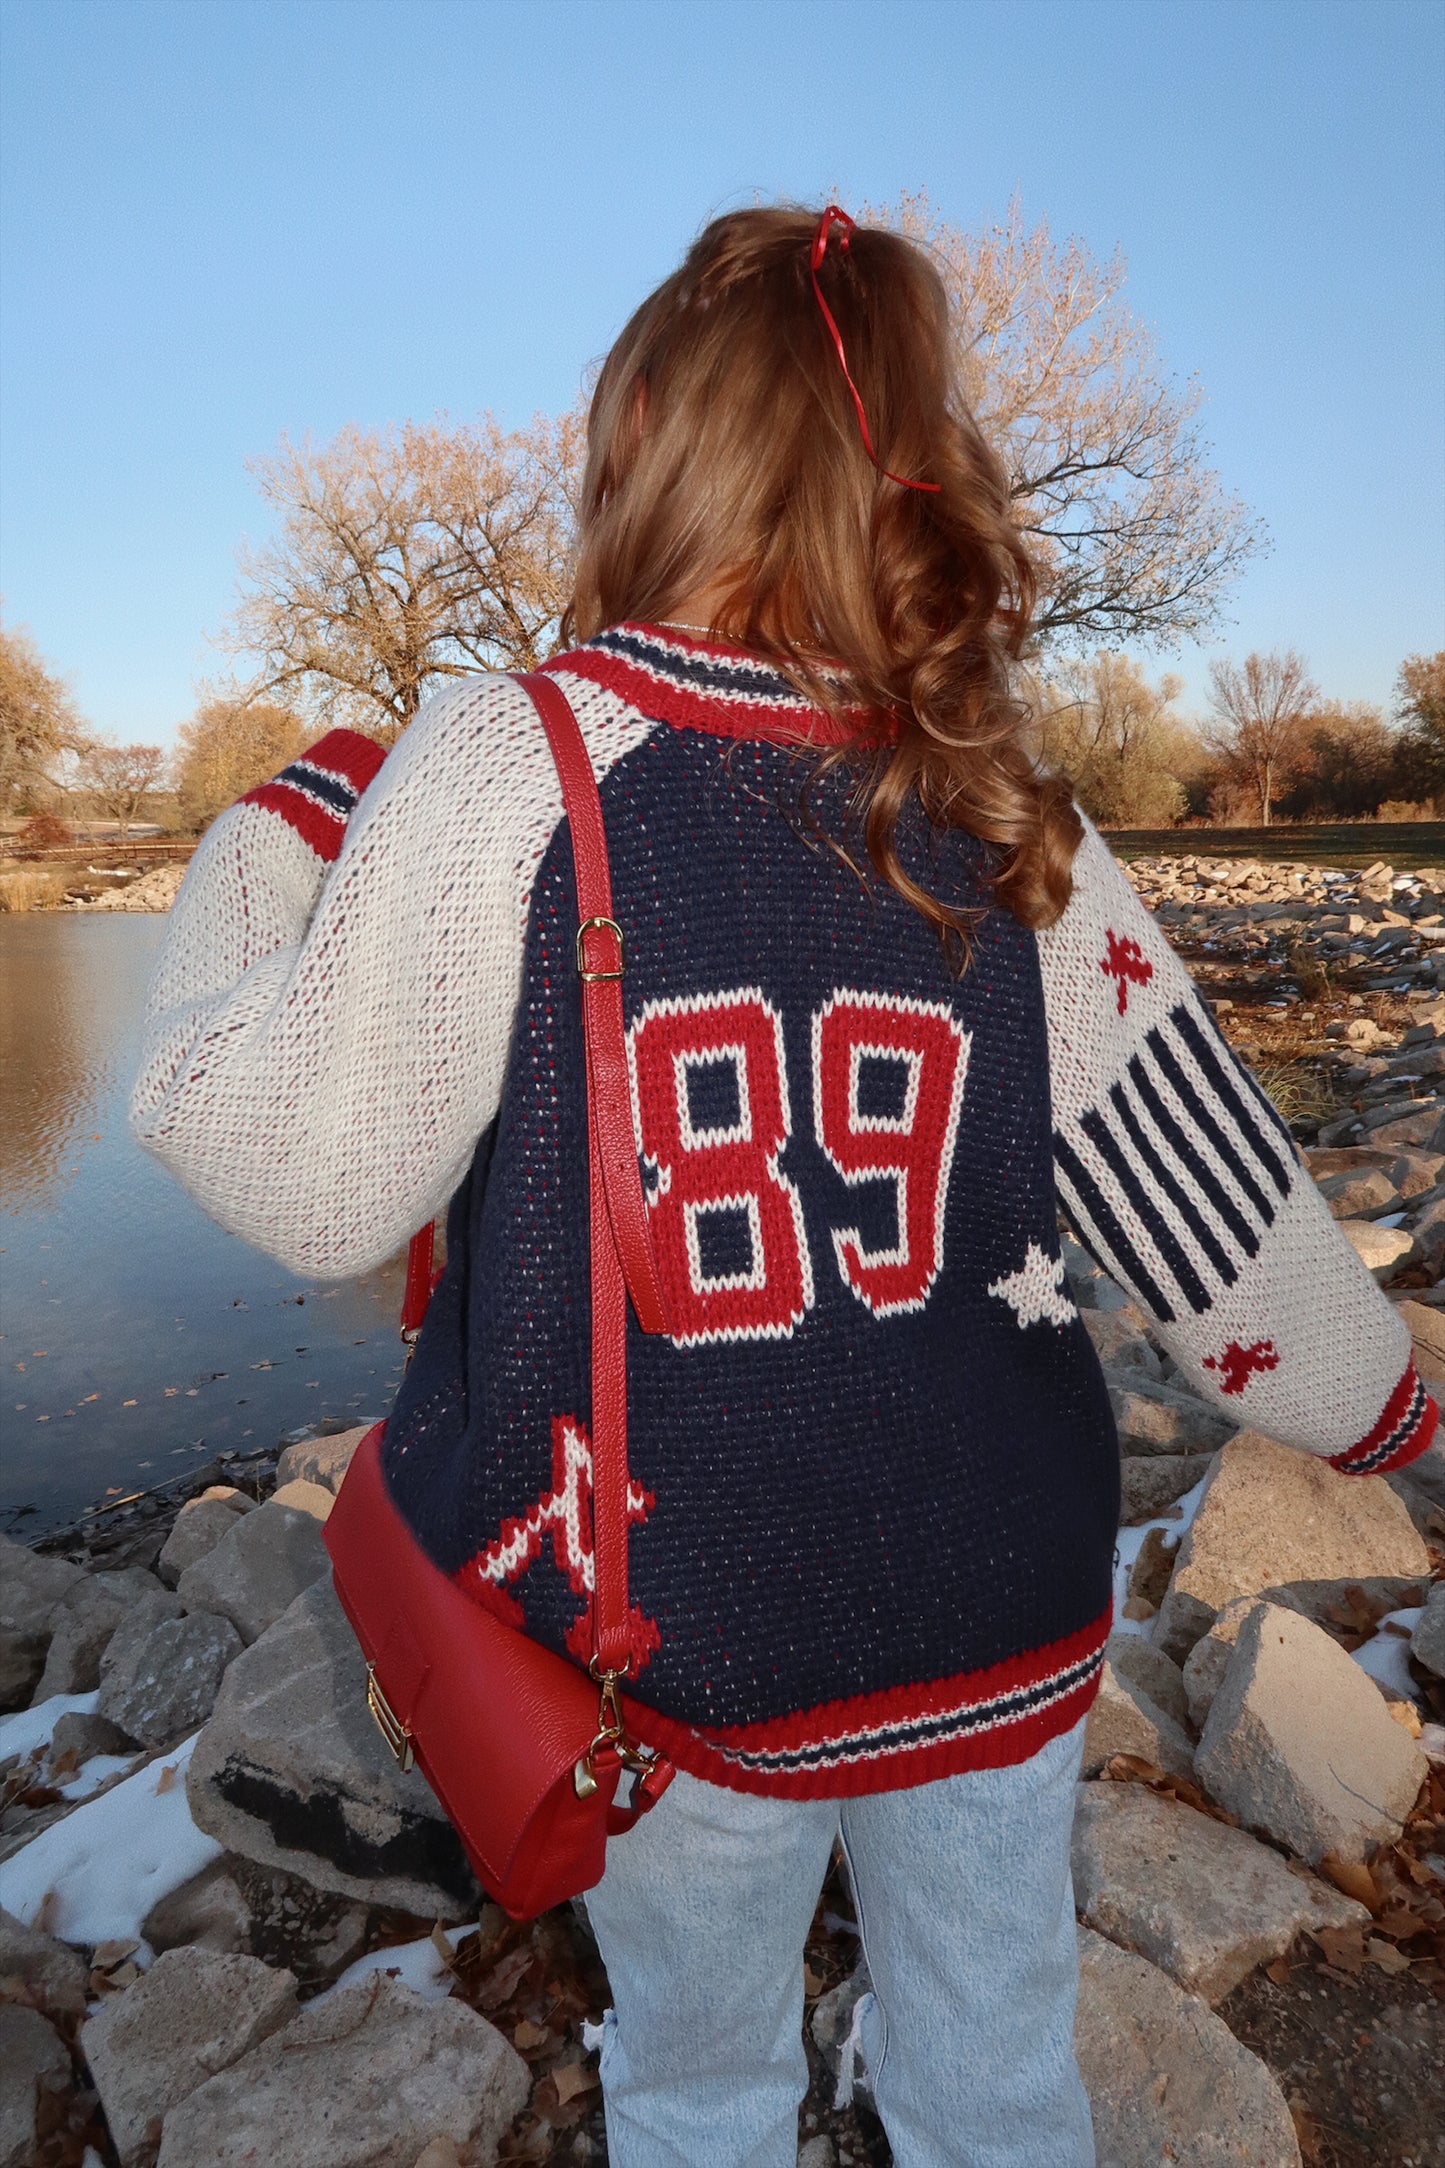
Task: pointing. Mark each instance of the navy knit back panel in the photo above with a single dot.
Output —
(861, 1502)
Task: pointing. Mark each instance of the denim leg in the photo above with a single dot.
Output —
(701, 1918)
(965, 1903)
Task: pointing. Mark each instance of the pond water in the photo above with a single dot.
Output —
(135, 1334)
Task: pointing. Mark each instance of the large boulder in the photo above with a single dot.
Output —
(1161, 1419)
(1152, 1481)
(170, 1683)
(81, 1627)
(1204, 1902)
(260, 1565)
(31, 1587)
(49, 1972)
(33, 2060)
(237, 1904)
(144, 1615)
(1166, 2078)
(1149, 1671)
(1124, 1720)
(198, 1528)
(1427, 1642)
(192, 2013)
(292, 1771)
(1271, 1514)
(1299, 1743)
(364, 2078)
(321, 1460)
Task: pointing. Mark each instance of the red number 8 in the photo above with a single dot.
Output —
(723, 1168)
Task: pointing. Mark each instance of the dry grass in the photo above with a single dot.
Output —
(31, 888)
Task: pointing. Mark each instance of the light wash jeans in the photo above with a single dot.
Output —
(965, 1905)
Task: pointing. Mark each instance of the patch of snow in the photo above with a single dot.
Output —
(1391, 1219)
(29, 1728)
(1127, 1546)
(1385, 1656)
(112, 1858)
(417, 1965)
(93, 1773)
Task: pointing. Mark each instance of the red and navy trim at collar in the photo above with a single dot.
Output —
(694, 684)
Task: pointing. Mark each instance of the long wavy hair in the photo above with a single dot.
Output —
(724, 453)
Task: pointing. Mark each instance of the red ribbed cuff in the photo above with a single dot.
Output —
(317, 794)
(1406, 1427)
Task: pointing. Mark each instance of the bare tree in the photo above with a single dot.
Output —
(1133, 535)
(1420, 707)
(403, 556)
(1260, 731)
(1118, 739)
(229, 744)
(38, 722)
(120, 778)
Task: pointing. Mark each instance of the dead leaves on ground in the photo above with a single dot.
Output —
(1404, 1894)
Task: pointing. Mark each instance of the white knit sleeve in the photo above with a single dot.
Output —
(325, 1045)
(1182, 1180)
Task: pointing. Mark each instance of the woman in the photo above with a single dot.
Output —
(890, 1004)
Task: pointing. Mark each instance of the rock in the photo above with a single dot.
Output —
(1204, 1902)
(1152, 1481)
(1299, 1744)
(1382, 1250)
(31, 1587)
(170, 1683)
(261, 1564)
(306, 1497)
(190, 2014)
(321, 1460)
(1166, 2078)
(50, 1972)
(33, 2059)
(209, 1912)
(83, 1732)
(1429, 1233)
(1426, 1327)
(1427, 1642)
(1123, 1720)
(1139, 1664)
(1119, 1342)
(238, 1500)
(364, 2079)
(292, 1771)
(816, 2152)
(236, 1904)
(81, 1627)
(1208, 1660)
(1271, 1514)
(1160, 1419)
(199, 1527)
(1415, 1172)
(1360, 1196)
(1410, 1131)
(1153, 1564)
(131, 1634)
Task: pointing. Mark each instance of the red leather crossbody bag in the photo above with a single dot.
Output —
(524, 1750)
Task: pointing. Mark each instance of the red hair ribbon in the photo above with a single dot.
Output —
(834, 217)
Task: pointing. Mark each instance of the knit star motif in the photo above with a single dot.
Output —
(1037, 1290)
(1126, 963)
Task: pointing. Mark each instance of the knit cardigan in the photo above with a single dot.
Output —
(874, 1470)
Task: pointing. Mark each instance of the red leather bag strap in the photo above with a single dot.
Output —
(599, 964)
(622, 1255)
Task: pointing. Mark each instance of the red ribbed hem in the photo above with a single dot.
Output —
(1406, 1426)
(907, 1735)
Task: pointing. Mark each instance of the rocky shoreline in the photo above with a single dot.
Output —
(231, 1929)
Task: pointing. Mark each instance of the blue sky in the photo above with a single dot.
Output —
(229, 218)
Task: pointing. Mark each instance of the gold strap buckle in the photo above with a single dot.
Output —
(611, 1731)
(395, 1733)
(582, 931)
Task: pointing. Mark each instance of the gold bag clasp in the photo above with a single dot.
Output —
(395, 1733)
